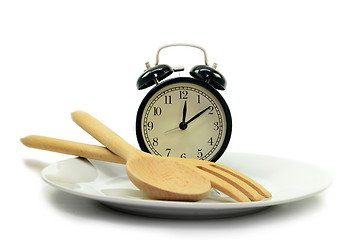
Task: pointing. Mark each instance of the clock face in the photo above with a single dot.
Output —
(186, 119)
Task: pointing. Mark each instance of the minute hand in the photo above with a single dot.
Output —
(198, 115)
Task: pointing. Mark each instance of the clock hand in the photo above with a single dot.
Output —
(184, 112)
(198, 115)
(172, 129)
(183, 124)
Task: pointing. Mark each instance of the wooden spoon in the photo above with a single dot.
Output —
(158, 177)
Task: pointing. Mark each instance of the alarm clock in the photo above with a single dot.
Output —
(183, 117)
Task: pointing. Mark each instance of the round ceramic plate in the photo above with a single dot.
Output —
(286, 179)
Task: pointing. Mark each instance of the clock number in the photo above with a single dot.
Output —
(198, 99)
(155, 141)
(199, 153)
(183, 94)
(157, 111)
(216, 126)
(183, 155)
(210, 141)
(149, 126)
(168, 151)
(211, 108)
(168, 99)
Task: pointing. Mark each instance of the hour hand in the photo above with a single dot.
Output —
(198, 115)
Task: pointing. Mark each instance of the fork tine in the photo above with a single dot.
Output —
(224, 186)
(237, 183)
(252, 183)
(234, 176)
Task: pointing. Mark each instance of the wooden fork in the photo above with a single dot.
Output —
(227, 180)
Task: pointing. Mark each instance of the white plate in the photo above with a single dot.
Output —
(287, 180)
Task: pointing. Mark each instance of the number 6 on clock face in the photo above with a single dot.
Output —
(186, 118)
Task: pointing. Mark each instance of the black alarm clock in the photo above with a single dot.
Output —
(183, 117)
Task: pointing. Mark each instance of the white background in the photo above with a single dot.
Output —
(294, 72)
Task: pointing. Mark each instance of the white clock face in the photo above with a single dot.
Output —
(184, 120)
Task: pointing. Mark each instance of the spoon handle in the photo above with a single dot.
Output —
(104, 135)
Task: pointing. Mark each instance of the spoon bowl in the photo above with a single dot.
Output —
(172, 182)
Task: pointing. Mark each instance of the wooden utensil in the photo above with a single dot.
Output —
(233, 183)
(155, 176)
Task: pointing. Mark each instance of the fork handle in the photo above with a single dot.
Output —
(72, 148)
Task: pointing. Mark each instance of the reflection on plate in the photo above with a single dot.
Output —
(286, 179)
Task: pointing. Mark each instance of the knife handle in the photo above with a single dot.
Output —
(72, 148)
